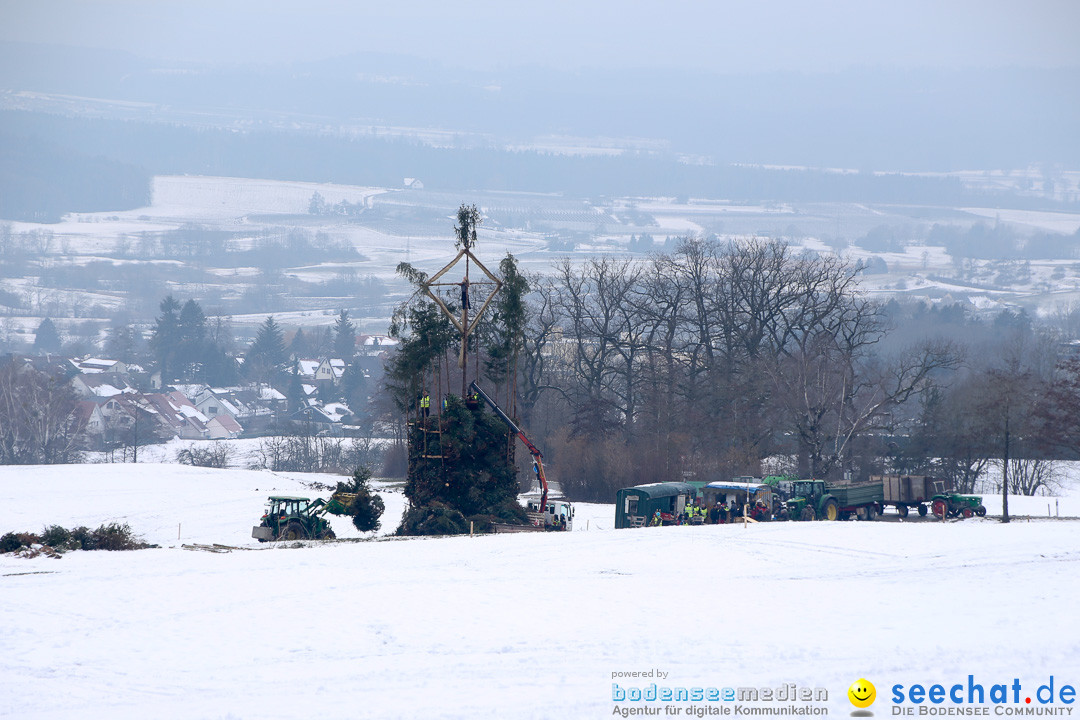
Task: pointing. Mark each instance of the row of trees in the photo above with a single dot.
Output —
(706, 360)
(715, 359)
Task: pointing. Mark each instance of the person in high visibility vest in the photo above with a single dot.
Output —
(425, 405)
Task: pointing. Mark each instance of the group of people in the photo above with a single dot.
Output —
(423, 403)
(558, 523)
(697, 514)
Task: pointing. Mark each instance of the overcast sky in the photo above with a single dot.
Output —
(719, 36)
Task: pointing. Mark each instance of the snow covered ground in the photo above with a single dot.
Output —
(508, 626)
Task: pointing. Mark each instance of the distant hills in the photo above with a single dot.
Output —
(102, 122)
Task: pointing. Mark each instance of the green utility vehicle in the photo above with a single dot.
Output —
(299, 518)
(956, 505)
(666, 501)
(813, 499)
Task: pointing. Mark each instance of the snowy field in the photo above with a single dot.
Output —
(508, 626)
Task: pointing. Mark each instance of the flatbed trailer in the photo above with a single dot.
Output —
(905, 492)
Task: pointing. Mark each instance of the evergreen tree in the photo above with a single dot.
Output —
(299, 347)
(192, 322)
(503, 335)
(191, 350)
(294, 394)
(166, 337)
(463, 469)
(344, 336)
(368, 507)
(354, 389)
(47, 339)
(266, 356)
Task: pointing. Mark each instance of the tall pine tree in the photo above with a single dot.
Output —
(266, 357)
(166, 338)
(344, 337)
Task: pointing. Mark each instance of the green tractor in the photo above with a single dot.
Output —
(945, 505)
(809, 501)
(814, 500)
(298, 518)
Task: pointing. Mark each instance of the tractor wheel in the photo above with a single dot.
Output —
(922, 510)
(940, 508)
(327, 534)
(293, 531)
(980, 511)
(967, 513)
(807, 514)
(831, 511)
(871, 512)
(902, 510)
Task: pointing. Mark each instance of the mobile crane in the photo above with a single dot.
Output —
(560, 514)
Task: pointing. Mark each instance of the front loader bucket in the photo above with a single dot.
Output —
(261, 532)
(339, 503)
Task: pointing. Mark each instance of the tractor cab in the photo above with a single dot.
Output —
(288, 506)
(803, 504)
(289, 517)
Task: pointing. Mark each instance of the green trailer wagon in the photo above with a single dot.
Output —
(635, 506)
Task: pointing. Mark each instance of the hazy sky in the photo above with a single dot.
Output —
(720, 36)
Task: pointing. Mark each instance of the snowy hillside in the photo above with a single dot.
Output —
(509, 626)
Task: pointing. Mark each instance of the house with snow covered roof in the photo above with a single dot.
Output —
(307, 367)
(212, 404)
(336, 411)
(101, 385)
(374, 344)
(124, 413)
(330, 369)
(223, 427)
(86, 419)
(179, 415)
(92, 366)
(321, 371)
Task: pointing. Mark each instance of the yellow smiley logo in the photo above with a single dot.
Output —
(862, 693)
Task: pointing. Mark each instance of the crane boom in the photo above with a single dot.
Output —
(538, 462)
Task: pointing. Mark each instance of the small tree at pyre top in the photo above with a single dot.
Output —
(459, 466)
